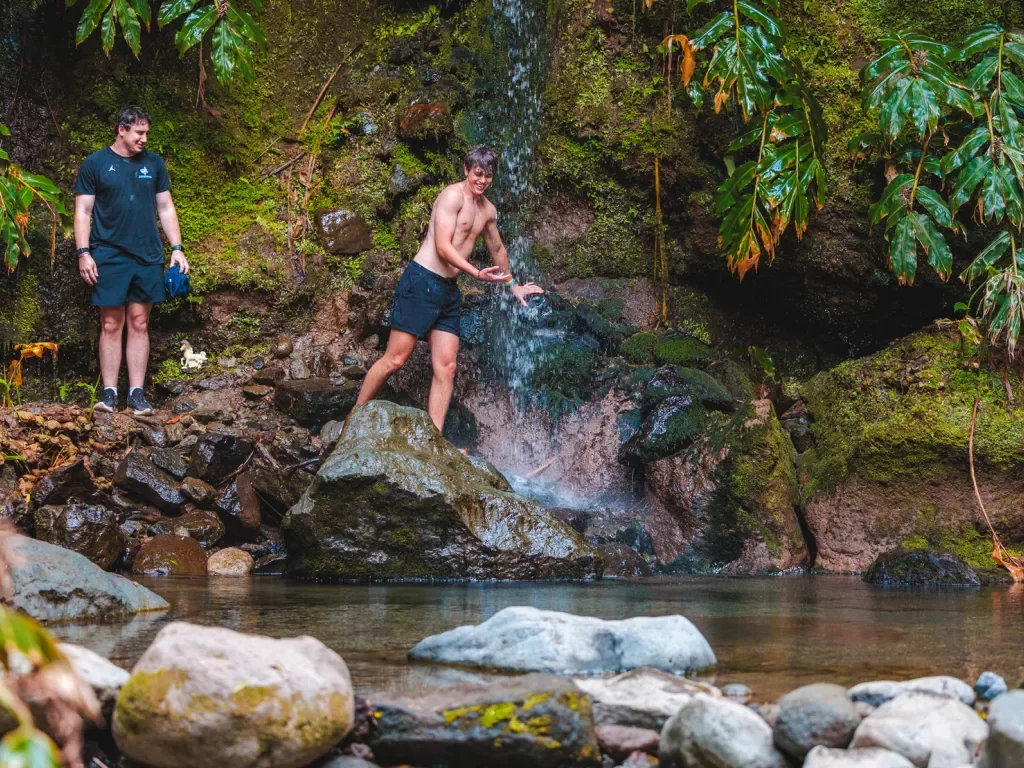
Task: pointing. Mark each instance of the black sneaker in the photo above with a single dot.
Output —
(138, 403)
(108, 403)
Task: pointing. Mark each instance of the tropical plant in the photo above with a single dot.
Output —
(952, 144)
(18, 190)
(92, 389)
(235, 31)
(774, 187)
(14, 379)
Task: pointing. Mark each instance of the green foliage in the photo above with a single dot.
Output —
(774, 188)
(682, 350)
(235, 32)
(639, 348)
(978, 165)
(18, 190)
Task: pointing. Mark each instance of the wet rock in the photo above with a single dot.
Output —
(313, 402)
(700, 387)
(63, 483)
(217, 455)
(207, 697)
(738, 692)
(642, 698)
(353, 371)
(270, 375)
(343, 231)
(240, 506)
(53, 584)
(620, 741)
(672, 425)
(268, 542)
(990, 685)
(422, 121)
(872, 757)
(138, 475)
(203, 525)
(921, 569)
(818, 714)
(930, 730)
(1005, 745)
(331, 431)
(105, 679)
(535, 720)
(878, 692)
(523, 638)
(230, 562)
(282, 348)
(175, 433)
(271, 565)
(256, 391)
(171, 462)
(89, 530)
(279, 489)
(623, 561)
(711, 732)
(198, 491)
(395, 500)
(298, 370)
(153, 437)
(214, 383)
(168, 555)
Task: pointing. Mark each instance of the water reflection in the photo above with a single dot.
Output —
(772, 634)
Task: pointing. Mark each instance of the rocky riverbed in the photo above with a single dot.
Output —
(206, 696)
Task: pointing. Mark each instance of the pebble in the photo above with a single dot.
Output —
(230, 562)
(989, 686)
(738, 692)
(282, 347)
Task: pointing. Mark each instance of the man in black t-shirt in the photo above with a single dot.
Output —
(120, 192)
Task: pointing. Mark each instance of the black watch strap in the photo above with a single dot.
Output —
(80, 251)
(177, 247)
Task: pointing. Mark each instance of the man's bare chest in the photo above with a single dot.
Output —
(469, 224)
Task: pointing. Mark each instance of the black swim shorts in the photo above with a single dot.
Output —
(425, 301)
(123, 278)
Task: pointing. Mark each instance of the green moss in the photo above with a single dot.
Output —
(143, 694)
(639, 348)
(970, 545)
(682, 350)
(20, 320)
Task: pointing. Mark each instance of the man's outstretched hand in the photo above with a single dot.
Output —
(523, 292)
(493, 274)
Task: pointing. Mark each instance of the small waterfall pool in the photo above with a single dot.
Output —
(772, 634)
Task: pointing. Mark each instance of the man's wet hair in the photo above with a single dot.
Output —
(482, 156)
(129, 116)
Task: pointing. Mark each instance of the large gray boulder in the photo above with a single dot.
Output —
(395, 500)
(872, 757)
(1005, 745)
(712, 732)
(536, 720)
(641, 698)
(929, 729)
(208, 697)
(523, 638)
(53, 584)
(817, 714)
(877, 692)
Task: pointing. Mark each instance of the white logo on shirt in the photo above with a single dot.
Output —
(144, 173)
(110, 169)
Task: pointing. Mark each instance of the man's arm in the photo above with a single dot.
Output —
(169, 221)
(446, 214)
(83, 223)
(500, 257)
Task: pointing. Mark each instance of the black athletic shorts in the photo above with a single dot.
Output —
(123, 278)
(425, 301)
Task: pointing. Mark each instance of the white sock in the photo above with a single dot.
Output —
(132, 390)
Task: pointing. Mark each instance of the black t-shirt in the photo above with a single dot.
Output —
(124, 215)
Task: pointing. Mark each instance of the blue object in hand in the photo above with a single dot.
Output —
(177, 283)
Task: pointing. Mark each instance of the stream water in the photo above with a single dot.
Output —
(772, 634)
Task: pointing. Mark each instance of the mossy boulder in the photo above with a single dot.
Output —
(889, 462)
(700, 387)
(395, 500)
(209, 697)
(673, 424)
(639, 348)
(682, 349)
(921, 569)
(536, 720)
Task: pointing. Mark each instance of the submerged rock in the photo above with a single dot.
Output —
(208, 697)
(53, 584)
(714, 732)
(813, 715)
(87, 529)
(642, 698)
(921, 569)
(1005, 745)
(168, 555)
(523, 638)
(535, 720)
(396, 500)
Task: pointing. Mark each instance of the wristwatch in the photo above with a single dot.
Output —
(177, 247)
(82, 251)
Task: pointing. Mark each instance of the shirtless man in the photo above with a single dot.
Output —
(427, 298)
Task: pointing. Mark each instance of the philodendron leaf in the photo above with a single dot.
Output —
(903, 251)
(172, 9)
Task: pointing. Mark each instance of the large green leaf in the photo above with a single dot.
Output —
(249, 26)
(130, 28)
(1013, 87)
(903, 251)
(984, 38)
(896, 109)
(108, 29)
(968, 148)
(223, 53)
(934, 244)
(733, 187)
(923, 107)
(932, 202)
(91, 18)
(196, 25)
(172, 9)
(968, 180)
(983, 72)
(762, 18)
(143, 11)
(992, 196)
(712, 31)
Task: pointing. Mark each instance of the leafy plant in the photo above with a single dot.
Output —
(92, 389)
(952, 144)
(14, 380)
(774, 187)
(18, 190)
(235, 31)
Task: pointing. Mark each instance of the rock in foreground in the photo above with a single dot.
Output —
(642, 698)
(541, 721)
(717, 733)
(817, 714)
(872, 757)
(208, 697)
(877, 692)
(1005, 745)
(523, 638)
(53, 584)
(395, 500)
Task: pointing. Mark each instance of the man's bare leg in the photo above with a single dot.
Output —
(111, 332)
(444, 348)
(138, 342)
(400, 346)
